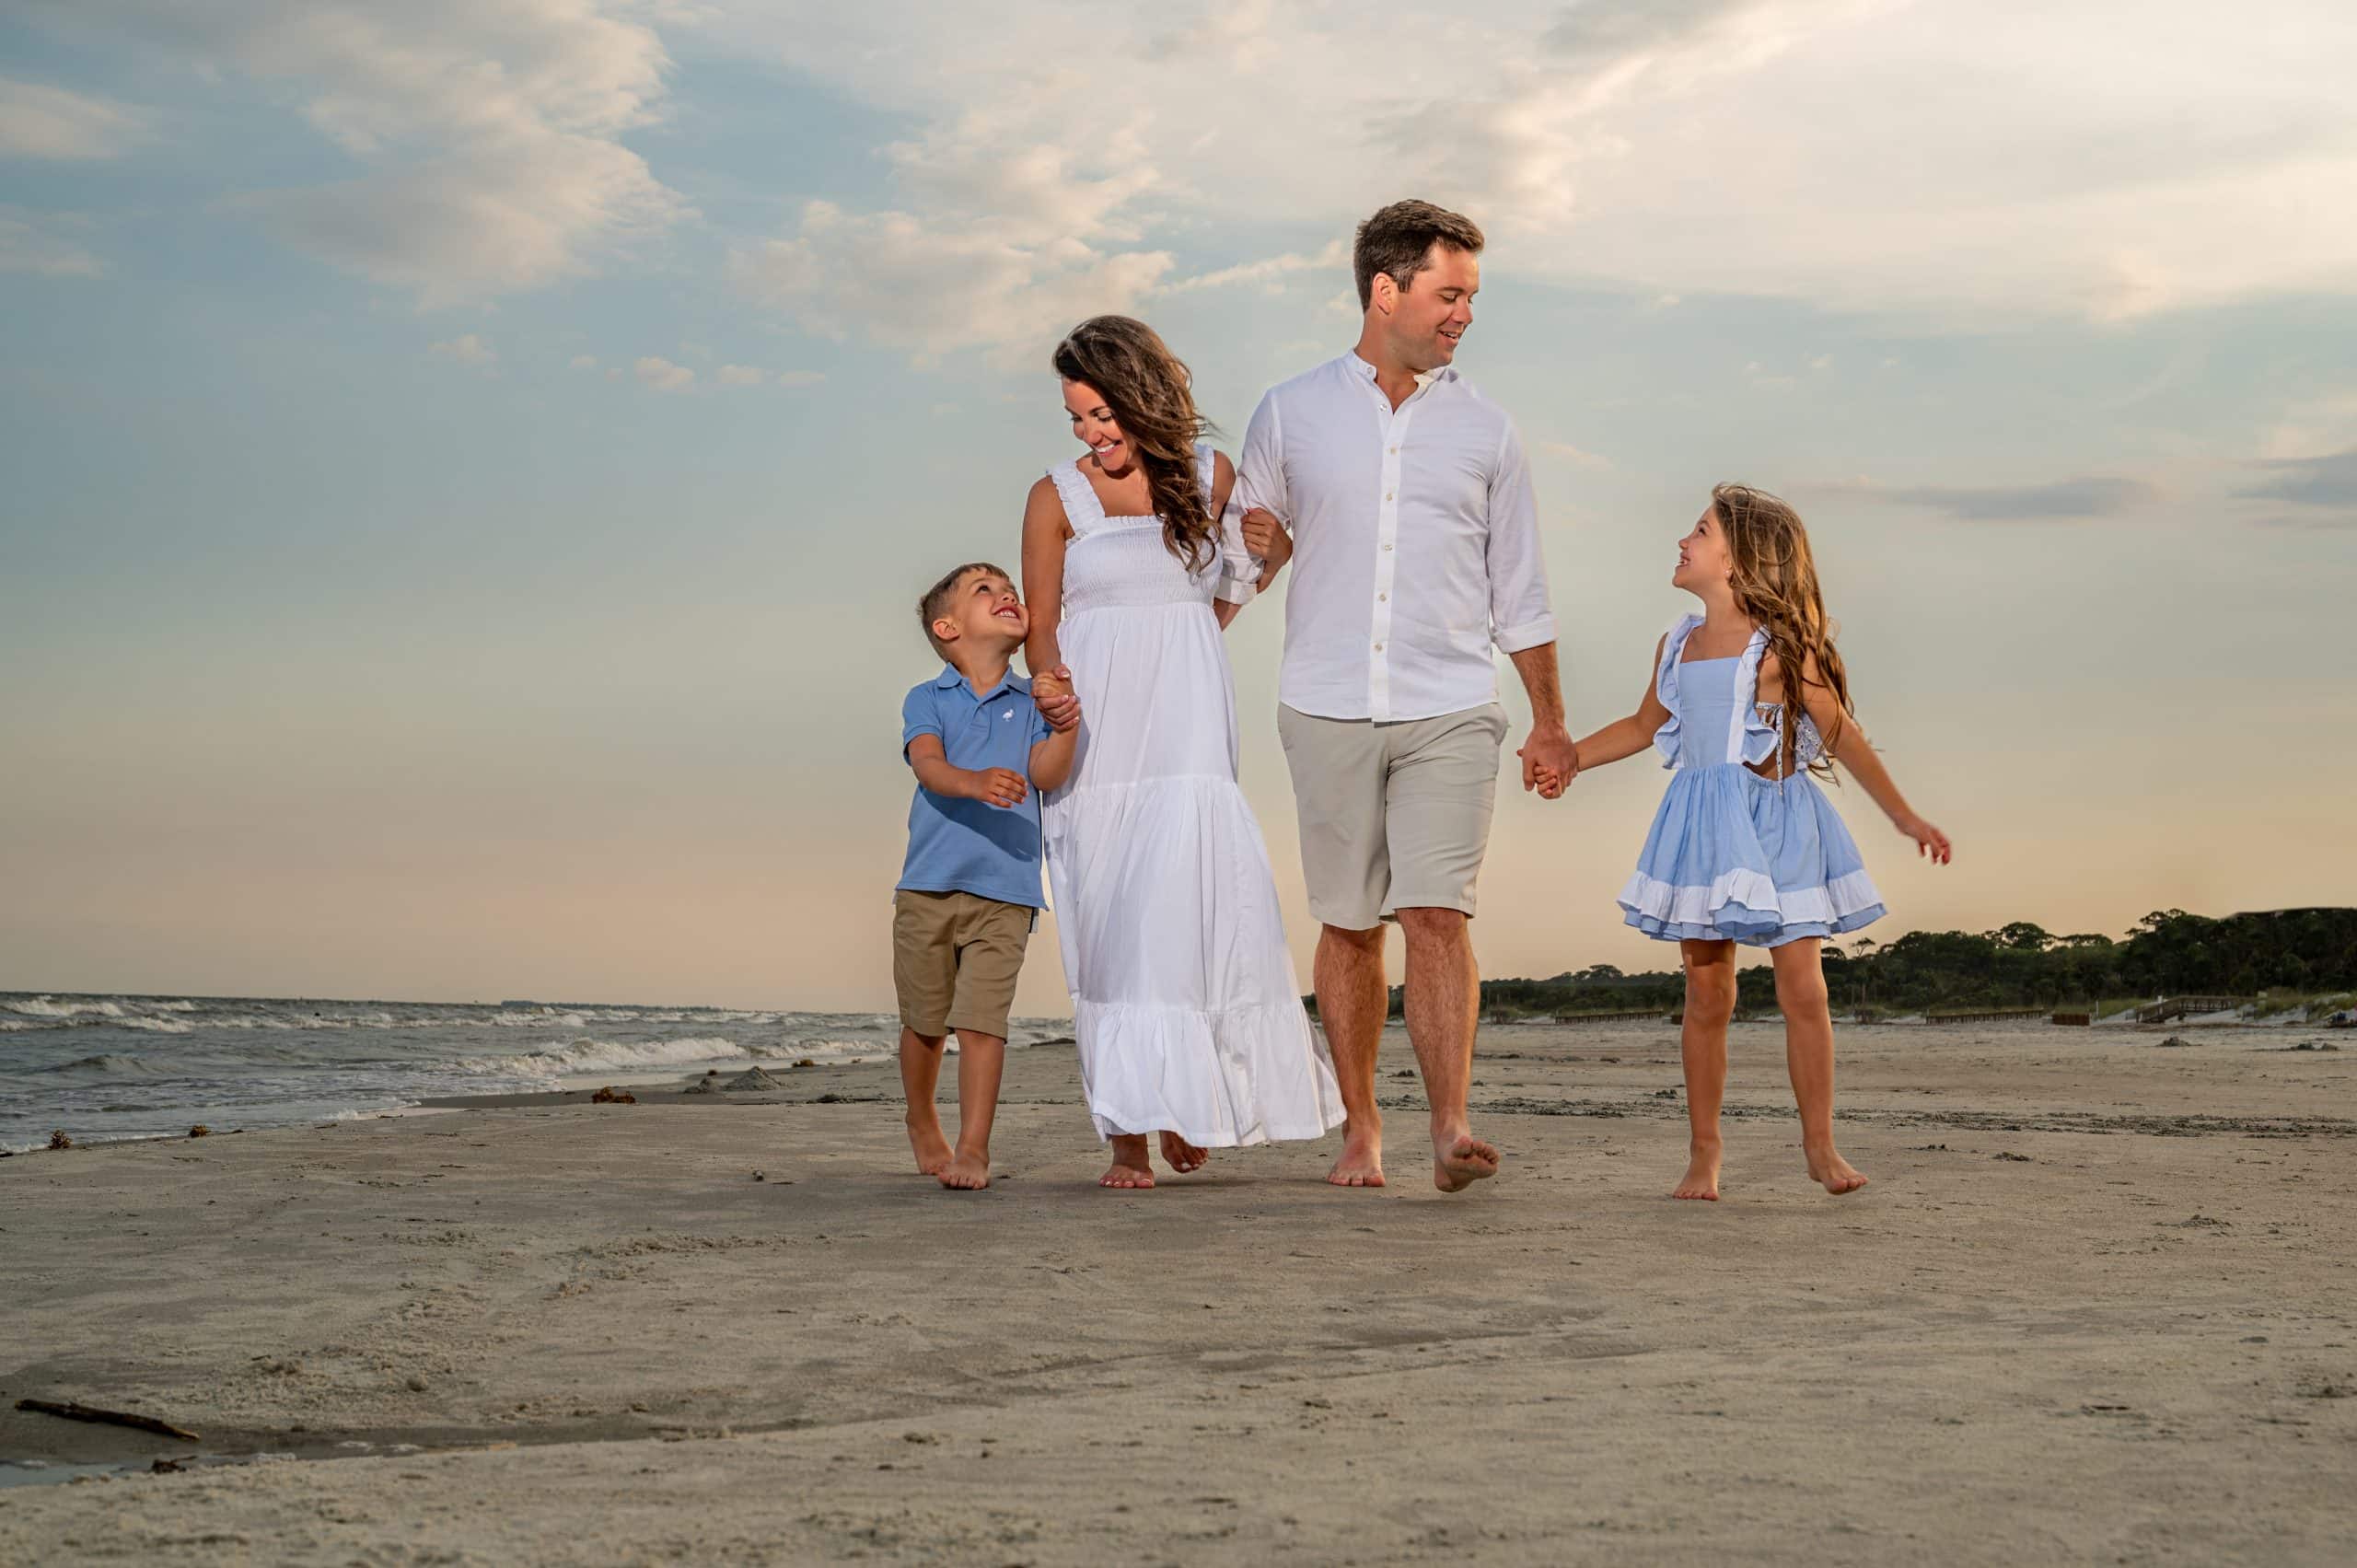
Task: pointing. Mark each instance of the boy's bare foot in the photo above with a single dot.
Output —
(1182, 1155)
(966, 1173)
(1701, 1177)
(1832, 1172)
(931, 1146)
(1360, 1164)
(1130, 1167)
(1460, 1162)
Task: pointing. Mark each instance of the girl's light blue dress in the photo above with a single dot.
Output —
(1734, 857)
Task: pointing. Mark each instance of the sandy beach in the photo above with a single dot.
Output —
(2097, 1305)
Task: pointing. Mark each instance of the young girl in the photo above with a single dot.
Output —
(1749, 699)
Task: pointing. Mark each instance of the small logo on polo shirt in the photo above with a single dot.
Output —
(1008, 714)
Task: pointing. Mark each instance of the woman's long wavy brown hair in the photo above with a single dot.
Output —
(1152, 396)
(1775, 584)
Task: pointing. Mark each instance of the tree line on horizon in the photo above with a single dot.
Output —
(2167, 953)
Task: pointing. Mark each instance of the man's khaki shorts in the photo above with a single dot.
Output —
(1393, 815)
(955, 959)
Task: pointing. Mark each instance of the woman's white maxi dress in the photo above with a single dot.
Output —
(1184, 1001)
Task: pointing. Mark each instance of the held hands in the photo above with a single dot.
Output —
(1929, 840)
(1550, 762)
(1058, 704)
(996, 787)
(1265, 538)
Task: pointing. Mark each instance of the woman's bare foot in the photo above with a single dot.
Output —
(931, 1146)
(1701, 1177)
(1832, 1172)
(966, 1173)
(1460, 1162)
(1182, 1155)
(1360, 1164)
(1130, 1166)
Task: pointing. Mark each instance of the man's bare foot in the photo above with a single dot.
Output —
(1701, 1177)
(1360, 1164)
(1182, 1155)
(932, 1148)
(966, 1173)
(1130, 1167)
(1460, 1162)
(1832, 1172)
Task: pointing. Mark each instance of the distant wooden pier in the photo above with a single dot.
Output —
(2170, 1008)
(1985, 1015)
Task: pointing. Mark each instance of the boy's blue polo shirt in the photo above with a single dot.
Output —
(971, 846)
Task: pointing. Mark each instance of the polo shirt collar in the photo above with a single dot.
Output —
(949, 676)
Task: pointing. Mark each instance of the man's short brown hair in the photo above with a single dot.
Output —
(936, 599)
(1397, 240)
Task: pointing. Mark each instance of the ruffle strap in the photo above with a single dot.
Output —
(1665, 738)
(1750, 738)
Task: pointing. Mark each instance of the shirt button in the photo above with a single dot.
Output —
(1387, 547)
(1386, 495)
(1395, 451)
(1383, 598)
(1378, 647)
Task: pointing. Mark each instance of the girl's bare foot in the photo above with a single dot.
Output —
(1130, 1166)
(1832, 1172)
(965, 1173)
(931, 1146)
(1701, 1177)
(1182, 1155)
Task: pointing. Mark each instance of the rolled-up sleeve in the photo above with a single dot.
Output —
(1520, 616)
(1260, 482)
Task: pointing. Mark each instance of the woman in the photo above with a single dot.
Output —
(1184, 1003)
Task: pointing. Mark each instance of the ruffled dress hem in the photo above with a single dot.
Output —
(1205, 1075)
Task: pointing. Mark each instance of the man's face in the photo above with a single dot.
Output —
(985, 611)
(1429, 317)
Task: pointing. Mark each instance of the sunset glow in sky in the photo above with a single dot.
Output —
(470, 462)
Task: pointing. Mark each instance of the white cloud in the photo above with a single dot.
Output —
(741, 376)
(1926, 159)
(585, 362)
(39, 242)
(662, 375)
(487, 135)
(938, 288)
(466, 350)
(41, 121)
(1578, 456)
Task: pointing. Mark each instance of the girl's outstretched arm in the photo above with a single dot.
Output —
(1847, 744)
(1626, 737)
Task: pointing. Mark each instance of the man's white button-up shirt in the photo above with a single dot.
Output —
(1415, 541)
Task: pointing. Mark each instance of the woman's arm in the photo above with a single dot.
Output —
(1044, 533)
(1847, 744)
(1626, 737)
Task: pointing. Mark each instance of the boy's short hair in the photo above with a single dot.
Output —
(1397, 240)
(936, 599)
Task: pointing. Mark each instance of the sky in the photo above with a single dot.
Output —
(468, 464)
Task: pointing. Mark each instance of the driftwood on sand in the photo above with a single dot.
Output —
(72, 1411)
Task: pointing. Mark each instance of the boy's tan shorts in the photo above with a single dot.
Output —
(1393, 815)
(955, 959)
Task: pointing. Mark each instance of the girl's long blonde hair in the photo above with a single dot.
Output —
(1775, 584)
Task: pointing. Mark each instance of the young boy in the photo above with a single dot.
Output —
(970, 891)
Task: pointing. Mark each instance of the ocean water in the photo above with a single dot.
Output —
(102, 1067)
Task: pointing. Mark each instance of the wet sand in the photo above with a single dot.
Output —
(2097, 1305)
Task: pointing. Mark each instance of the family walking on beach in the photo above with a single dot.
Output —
(1402, 498)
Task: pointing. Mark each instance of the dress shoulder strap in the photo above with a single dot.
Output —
(1082, 509)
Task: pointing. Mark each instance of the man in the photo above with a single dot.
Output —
(1415, 551)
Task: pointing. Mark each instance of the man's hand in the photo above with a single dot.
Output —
(1265, 538)
(996, 787)
(1058, 702)
(1548, 762)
